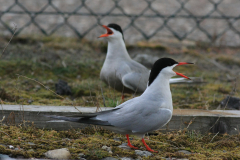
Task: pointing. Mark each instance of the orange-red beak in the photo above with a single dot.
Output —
(109, 32)
(180, 74)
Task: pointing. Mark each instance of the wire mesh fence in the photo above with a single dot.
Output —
(206, 20)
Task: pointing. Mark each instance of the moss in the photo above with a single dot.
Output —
(89, 141)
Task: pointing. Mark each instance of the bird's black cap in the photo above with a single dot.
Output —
(158, 66)
(116, 27)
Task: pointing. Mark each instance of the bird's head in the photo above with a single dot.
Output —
(114, 31)
(165, 67)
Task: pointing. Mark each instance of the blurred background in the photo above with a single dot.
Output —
(214, 21)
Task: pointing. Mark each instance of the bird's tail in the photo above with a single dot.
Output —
(71, 119)
(85, 119)
(193, 80)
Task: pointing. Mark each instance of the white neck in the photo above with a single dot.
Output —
(117, 49)
(159, 90)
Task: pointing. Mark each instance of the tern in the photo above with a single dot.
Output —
(148, 112)
(119, 70)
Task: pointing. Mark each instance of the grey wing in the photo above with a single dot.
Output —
(138, 117)
(135, 81)
(136, 77)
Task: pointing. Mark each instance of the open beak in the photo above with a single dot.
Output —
(109, 32)
(180, 74)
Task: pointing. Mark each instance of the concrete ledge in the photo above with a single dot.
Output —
(222, 121)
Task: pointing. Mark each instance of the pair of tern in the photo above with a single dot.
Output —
(121, 72)
(146, 113)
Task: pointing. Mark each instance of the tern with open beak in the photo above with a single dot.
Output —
(121, 72)
(146, 113)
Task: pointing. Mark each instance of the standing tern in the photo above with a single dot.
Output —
(121, 72)
(146, 113)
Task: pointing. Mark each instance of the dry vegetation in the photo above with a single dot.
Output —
(90, 141)
(47, 59)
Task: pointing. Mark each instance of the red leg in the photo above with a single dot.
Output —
(129, 144)
(147, 147)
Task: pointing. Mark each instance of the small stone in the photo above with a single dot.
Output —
(31, 144)
(143, 153)
(184, 151)
(78, 76)
(117, 139)
(63, 144)
(62, 153)
(30, 150)
(124, 146)
(10, 147)
(81, 155)
(224, 151)
(126, 158)
(50, 81)
(6, 157)
(62, 88)
(109, 158)
(30, 101)
(107, 148)
(37, 88)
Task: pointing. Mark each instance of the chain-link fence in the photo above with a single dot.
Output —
(206, 20)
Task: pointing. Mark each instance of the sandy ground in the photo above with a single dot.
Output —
(83, 23)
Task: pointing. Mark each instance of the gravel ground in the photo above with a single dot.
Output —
(148, 25)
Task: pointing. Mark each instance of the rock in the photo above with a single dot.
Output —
(62, 88)
(184, 151)
(231, 103)
(30, 150)
(143, 153)
(81, 155)
(107, 149)
(37, 88)
(117, 139)
(31, 144)
(173, 158)
(146, 60)
(109, 158)
(10, 147)
(50, 81)
(6, 157)
(62, 153)
(78, 76)
(30, 101)
(126, 158)
(124, 146)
